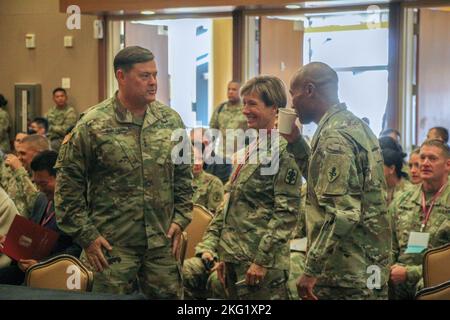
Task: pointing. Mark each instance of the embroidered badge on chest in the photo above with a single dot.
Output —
(291, 176)
(332, 173)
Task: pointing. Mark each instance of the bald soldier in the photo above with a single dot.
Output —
(421, 212)
(348, 230)
(229, 115)
(119, 192)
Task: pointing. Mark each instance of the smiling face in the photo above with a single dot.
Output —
(139, 84)
(259, 116)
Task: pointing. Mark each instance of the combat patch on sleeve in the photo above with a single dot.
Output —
(332, 173)
(217, 197)
(291, 176)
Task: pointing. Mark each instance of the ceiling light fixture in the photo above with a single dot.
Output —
(148, 12)
(292, 6)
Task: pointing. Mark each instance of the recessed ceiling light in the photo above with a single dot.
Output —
(147, 12)
(292, 6)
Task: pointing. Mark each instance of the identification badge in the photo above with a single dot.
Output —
(418, 242)
(299, 244)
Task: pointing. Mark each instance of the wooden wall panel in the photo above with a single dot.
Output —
(281, 49)
(433, 108)
(147, 36)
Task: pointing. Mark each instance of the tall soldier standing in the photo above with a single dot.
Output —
(119, 193)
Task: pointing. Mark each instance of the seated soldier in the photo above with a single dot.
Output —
(417, 214)
(44, 174)
(208, 189)
(213, 163)
(439, 133)
(39, 126)
(414, 166)
(16, 181)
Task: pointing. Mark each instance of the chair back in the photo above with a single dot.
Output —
(63, 272)
(440, 292)
(201, 218)
(436, 266)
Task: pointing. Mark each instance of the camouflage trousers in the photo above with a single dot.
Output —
(155, 272)
(297, 267)
(273, 286)
(404, 291)
(199, 283)
(341, 293)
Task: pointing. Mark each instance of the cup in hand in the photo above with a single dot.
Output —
(286, 118)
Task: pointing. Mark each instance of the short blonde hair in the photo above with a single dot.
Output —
(270, 89)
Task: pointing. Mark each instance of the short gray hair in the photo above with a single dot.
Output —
(37, 142)
(129, 56)
(270, 89)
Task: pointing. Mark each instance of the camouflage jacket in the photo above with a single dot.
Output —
(59, 120)
(406, 214)
(259, 216)
(346, 212)
(227, 116)
(116, 177)
(19, 187)
(400, 188)
(208, 191)
(5, 145)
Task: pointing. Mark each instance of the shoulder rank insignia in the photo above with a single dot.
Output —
(332, 173)
(291, 176)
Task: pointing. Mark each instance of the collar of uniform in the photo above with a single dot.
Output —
(417, 196)
(123, 115)
(332, 111)
(153, 114)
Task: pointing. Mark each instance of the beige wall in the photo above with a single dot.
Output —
(50, 60)
(222, 58)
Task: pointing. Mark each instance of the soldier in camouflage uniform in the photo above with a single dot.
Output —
(119, 193)
(60, 118)
(396, 179)
(250, 236)
(298, 254)
(228, 115)
(16, 173)
(349, 232)
(208, 189)
(5, 145)
(408, 216)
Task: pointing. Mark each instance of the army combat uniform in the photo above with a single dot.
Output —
(208, 191)
(19, 187)
(406, 213)
(349, 233)
(227, 116)
(5, 145)
(116, 178)
(256, 224)
(400, 188)
(59, 120)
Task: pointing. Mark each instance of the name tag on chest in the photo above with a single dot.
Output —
(418, 241)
